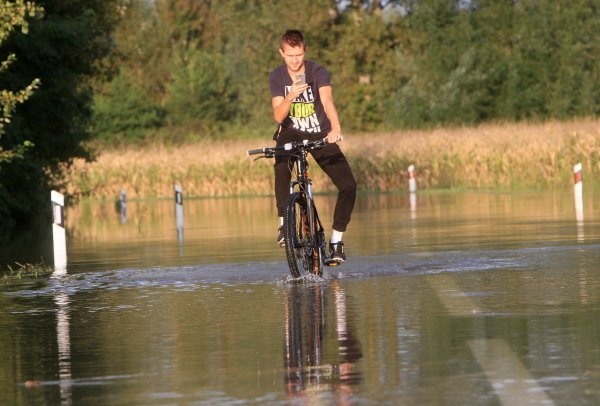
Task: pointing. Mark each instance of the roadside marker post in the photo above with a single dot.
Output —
(179, 211)
(59, 240)
(412, 188)
(412, 182)
(578, 191)
(123, 205)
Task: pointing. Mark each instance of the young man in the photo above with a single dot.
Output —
(305, 110)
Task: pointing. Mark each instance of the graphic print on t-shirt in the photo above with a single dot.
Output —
(302, 111)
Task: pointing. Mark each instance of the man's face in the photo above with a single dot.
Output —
(293, 56)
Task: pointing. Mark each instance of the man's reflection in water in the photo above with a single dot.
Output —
(320, 356)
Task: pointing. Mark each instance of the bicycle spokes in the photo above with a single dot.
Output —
(302, 246)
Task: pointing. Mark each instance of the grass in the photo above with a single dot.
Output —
(23, 272)
(491, 156)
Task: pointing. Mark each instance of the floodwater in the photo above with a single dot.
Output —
(450, 298)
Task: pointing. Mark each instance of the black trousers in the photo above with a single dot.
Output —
(334, 164)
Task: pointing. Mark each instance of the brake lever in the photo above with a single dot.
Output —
(265, 155)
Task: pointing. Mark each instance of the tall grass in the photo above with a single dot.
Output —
(491, 156)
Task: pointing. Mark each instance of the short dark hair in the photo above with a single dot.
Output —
(293, 38)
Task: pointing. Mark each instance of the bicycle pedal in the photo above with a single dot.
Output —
(331, 262)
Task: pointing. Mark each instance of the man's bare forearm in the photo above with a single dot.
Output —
(281, 108)
(332, 115)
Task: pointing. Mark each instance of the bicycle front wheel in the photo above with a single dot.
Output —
(301, 247)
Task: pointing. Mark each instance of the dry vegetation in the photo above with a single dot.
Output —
(499, 156)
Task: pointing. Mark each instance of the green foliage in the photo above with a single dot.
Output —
(368, 73)
(13, 15)
(63, 50)
(200, 89)
(396, 64)
(207, 63)
(499, 61)
(124, 111)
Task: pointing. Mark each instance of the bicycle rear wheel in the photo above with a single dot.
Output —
(301, 246)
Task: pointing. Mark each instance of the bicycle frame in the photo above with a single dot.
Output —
(305, 240)
(304, 184)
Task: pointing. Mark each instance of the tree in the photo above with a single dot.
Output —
(200, 90)
(123, 111)
(63, 49)
(574, 89)
(165, 67)
(364, 58)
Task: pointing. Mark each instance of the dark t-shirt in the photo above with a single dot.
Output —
(306, 113)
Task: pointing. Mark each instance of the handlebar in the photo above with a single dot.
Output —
(269, 152)
(256, 151)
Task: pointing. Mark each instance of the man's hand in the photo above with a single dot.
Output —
(281, 105)
(334, 136)
(296, 90)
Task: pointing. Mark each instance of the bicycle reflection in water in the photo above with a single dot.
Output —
(317, 360)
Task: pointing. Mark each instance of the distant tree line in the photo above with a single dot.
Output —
(200, 67)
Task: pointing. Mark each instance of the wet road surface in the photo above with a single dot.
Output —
(457, 298)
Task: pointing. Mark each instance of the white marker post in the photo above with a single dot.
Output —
(412, 182)
(578, 192)
(412, 188)
(179, 211)
(123, 202)
(579, 200)
(58, 232)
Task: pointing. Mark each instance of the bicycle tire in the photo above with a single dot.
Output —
(301, 246)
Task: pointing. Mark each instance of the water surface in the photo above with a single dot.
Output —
(452, 298)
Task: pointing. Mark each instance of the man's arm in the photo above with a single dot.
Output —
(281, 107)
(326, 95)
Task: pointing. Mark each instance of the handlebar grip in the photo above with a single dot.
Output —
(255, 151)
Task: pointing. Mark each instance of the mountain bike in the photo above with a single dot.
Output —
(303, 232)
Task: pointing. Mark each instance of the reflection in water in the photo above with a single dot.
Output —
(64, 347)
(580, 231)
(412, 199)
(63, 338)
(311, 367)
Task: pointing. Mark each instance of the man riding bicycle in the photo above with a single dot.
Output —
(302, 99)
